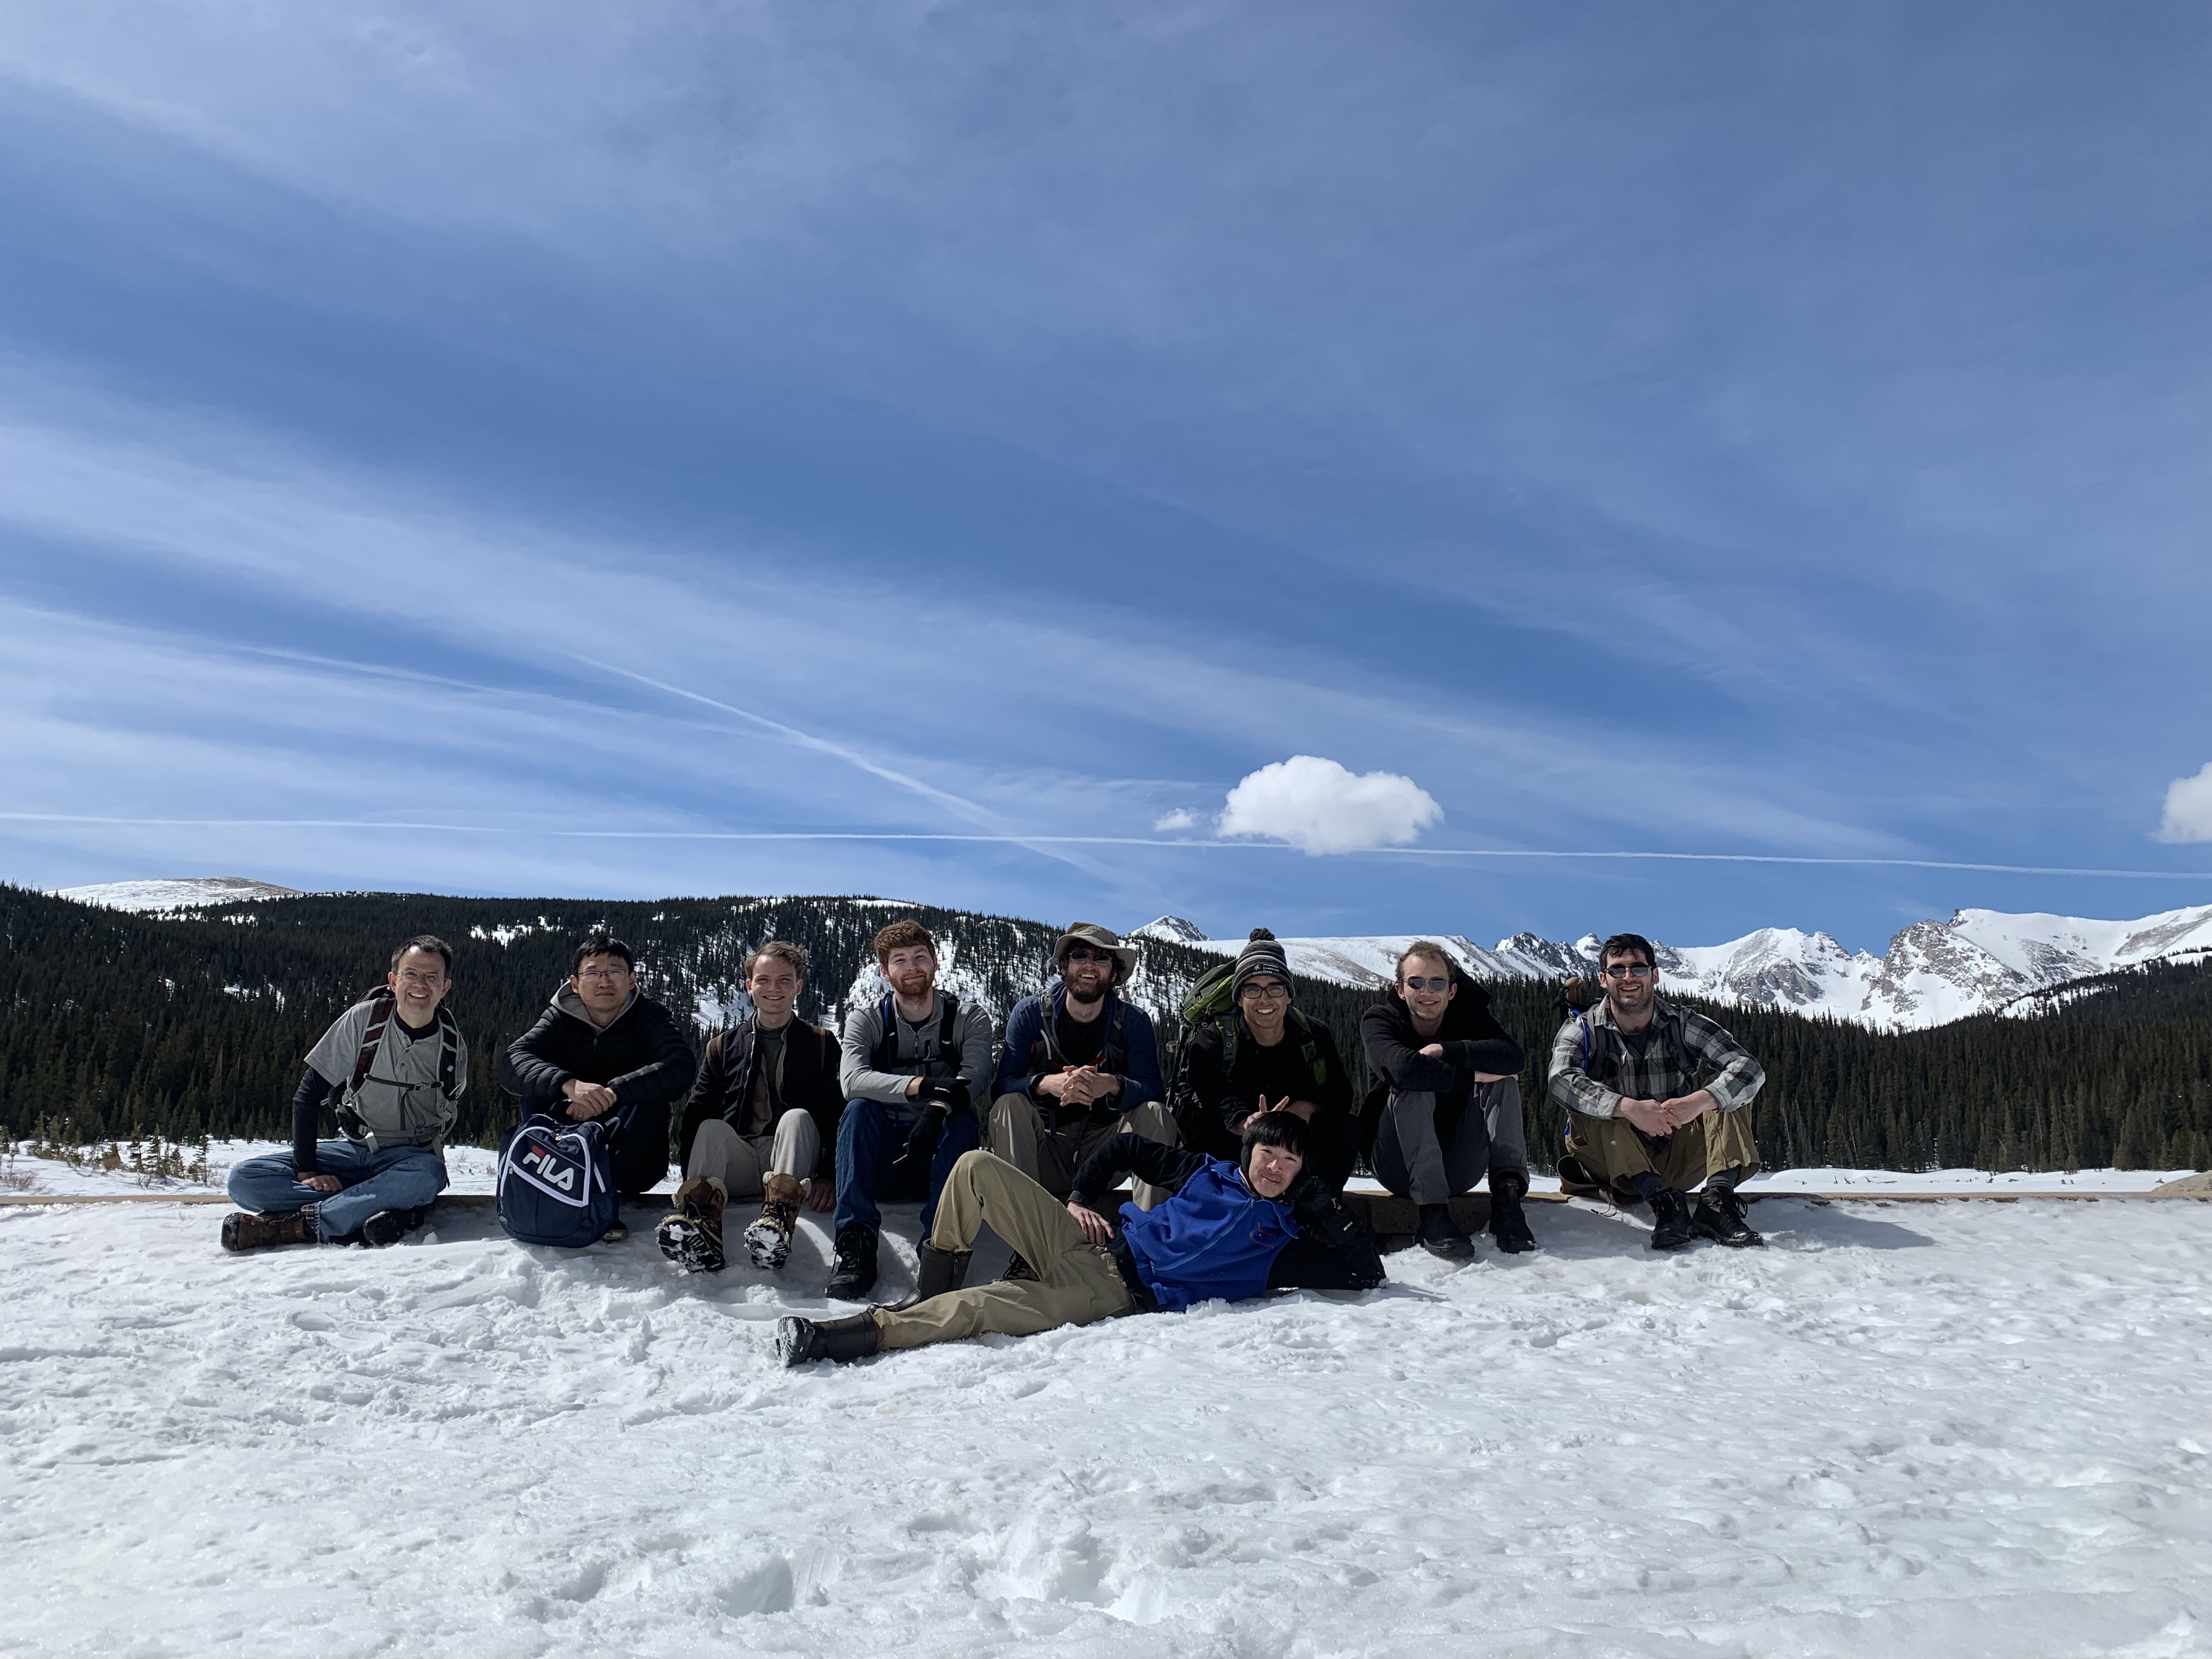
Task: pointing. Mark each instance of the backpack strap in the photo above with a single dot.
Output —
(449, 1052)
(381, 1003)
(886, 1055)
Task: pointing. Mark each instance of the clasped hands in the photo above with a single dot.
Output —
(1080, 1086)
(1663, 1118)
(587, 1100)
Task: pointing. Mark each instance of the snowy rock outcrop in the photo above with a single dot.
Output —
(176, 894)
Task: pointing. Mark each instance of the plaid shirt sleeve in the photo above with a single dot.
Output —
(1737, 1077)
(1571, 1086)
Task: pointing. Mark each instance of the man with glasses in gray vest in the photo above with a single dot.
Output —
(393, 1068)
(1641, 1128)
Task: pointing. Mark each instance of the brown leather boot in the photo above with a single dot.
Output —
(691, 1236)
(767, 1241)
(245, 1230)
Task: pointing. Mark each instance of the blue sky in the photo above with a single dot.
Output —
(581, 432)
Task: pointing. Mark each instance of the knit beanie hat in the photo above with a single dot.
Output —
(1262, 955)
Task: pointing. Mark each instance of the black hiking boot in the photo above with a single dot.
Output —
(1719, 1216)
(1440, 1236)
(389, 1227)
(1018, 1269)
(1670, 1219)
(617, 1232)
(853, 1337)
(941, 1271)
(854, 1274)
(245, 1230)
(1508, 1222)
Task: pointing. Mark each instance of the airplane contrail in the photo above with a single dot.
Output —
(1094, 841)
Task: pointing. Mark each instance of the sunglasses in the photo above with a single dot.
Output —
(1082, 953)
(1434, 983)
(1624, 969)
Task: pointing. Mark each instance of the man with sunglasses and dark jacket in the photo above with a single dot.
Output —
(1081, 1063)
(1445, 1110)
(1640, 1127)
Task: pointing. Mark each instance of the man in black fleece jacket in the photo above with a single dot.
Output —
(601, 1046)
(1447, 1108)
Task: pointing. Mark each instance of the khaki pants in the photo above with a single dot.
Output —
(1052, 1157)
(720, 1153)
(1614, 1153)
(1079, 1283)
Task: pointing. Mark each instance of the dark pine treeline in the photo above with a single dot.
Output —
(113, 1023)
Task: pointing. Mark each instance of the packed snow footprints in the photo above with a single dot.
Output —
(1238, 1169)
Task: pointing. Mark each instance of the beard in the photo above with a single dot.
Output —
(1096, 992)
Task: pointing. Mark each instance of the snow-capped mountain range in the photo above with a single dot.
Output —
(1979, 961)
(1934, 972)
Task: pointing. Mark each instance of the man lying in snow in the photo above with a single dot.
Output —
(1229, 1231)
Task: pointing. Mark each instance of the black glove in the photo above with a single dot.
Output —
(952, 1093)
(922, 1139)
(1318, 1210)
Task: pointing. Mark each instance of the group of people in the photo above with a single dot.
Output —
(1239, 1193)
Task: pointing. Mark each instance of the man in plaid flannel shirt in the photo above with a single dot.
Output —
(1639, 1127)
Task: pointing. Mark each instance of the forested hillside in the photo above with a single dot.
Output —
(193, 1023)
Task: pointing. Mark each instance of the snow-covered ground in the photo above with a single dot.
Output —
(1959, 1429)
(472, 1168)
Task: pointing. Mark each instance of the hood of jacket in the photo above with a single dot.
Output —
(566, 1001)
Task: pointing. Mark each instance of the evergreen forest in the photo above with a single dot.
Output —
(195, 1023)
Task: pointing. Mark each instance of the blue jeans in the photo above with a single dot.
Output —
(870, 1135)
(397, 1178)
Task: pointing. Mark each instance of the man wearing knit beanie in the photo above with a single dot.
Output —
(1260, 1054)
(1262, 953)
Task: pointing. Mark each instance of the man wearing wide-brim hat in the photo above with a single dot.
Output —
(1081, 1063)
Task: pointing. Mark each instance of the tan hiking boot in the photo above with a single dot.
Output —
(767, 1241)
(245, 1230)
(691, 1236)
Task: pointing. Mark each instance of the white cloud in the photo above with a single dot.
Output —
(2188, 808)
(1181, 818)
(1317, 806)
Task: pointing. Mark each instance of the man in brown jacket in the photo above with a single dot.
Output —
(758, 1123)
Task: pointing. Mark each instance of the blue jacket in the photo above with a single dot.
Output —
(1139, 1071)
(1217, 1237)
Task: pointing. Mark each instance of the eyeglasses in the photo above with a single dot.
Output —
(409, 976)
(1265, 990)
(1623, 970)
(1084, 953)
(1434, 983)
(603, 972)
